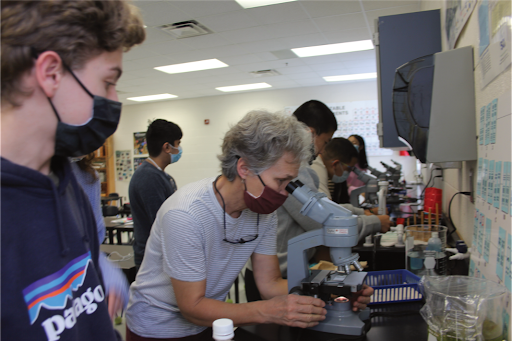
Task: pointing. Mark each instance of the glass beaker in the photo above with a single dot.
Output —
(463, 308)
(419, 258)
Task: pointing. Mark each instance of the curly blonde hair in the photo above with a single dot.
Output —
(76, 30)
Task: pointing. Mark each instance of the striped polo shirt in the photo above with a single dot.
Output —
(186, 243)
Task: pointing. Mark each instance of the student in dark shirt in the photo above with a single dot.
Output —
(150, 184)
(60, 62)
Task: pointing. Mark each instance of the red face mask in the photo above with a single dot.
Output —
(267, 202)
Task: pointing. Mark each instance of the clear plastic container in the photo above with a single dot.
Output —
(416, 249)
(463, 308)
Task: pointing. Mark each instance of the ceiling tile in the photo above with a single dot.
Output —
(290, 29)
(334, 67)
(318, 9)
(341, 22)
(311, 81)
(289, 11)
(205, 41)
(138, 52)
(247, 34)
(287, 70)
(372, 15)
(242, 59)
(197, 9)
(304, 40)
(285, 83)
(156, 35)
(337, 36)
(167, 47)
(305, 75)
(152, 62)
(156, 13)
(266, 55)
(370, 64)
(380, 4)
(228, 21)
(261, 46)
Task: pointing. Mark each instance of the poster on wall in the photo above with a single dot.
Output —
(139, 143)
(456, 15)
(124, 168)
(137, 161)
(494, 42)
(357, 118)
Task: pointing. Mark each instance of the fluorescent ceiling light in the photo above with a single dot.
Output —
(259, 3)
(151, 97)
(354, 77)
(321, 50)
(244, 87)
(192, 66)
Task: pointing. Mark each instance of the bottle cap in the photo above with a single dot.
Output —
(435, 234)
(223, 329)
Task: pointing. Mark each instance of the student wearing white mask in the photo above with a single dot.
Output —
(150, 185)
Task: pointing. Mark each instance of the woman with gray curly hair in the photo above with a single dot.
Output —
(206, 231)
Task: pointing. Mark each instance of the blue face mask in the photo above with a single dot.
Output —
(337, 179)
(176, 157)
(356, 147)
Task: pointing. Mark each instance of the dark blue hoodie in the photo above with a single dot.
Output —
(51, 284)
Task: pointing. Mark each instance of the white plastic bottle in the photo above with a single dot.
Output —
(223, 330)
(434, 243)
(433, 249)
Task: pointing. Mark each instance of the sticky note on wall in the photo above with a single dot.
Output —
(494, 116)
(475, 228)
(484, 179)
(487, 245)
(481, 229)
(488, 124)
(490, 183)
(505, 188)
(497, 184)
(507, 261)
(481, 136)
(500, 259)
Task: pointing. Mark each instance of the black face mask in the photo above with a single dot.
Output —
(83, 139)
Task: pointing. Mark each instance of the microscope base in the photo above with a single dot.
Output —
(340, 319)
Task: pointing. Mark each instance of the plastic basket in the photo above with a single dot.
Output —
(393, 286)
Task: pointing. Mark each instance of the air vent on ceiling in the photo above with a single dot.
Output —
(185, 29)
(265, 73)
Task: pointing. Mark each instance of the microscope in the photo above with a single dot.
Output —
(335, 287)
(394, 173)
(371, 189)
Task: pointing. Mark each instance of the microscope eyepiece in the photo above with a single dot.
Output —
(293, 185)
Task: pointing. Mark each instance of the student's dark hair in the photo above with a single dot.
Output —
(339, 149)
(362, 160)
(159, 132)
(318, 116)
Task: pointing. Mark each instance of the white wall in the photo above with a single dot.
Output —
(201, 143)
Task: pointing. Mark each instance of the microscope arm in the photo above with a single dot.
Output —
(370, 188)
(398, 165)
(364, 177)
(376, 172)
